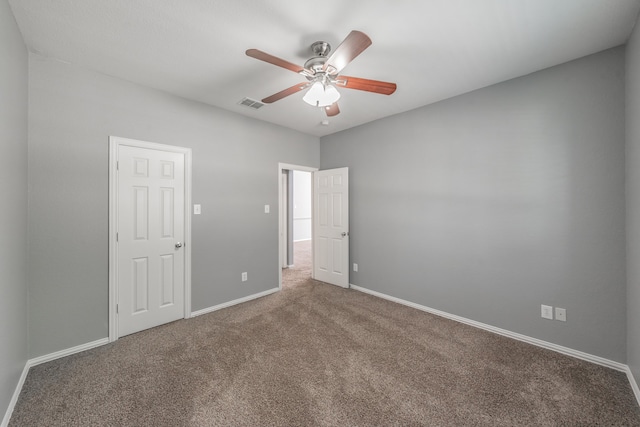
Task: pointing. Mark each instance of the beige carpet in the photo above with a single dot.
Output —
(315, 354)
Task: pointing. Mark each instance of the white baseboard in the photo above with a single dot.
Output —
(43, 359)
(14, 398)
(234, 302)
(68, 352)
(634, 384)
(540, 343)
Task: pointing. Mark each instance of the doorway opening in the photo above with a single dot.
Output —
(295, 223)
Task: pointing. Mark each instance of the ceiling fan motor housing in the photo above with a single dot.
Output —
(321, 51)
(321, 48)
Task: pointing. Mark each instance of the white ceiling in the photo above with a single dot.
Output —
(433, 49)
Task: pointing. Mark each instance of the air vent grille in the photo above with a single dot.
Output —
(251, 103)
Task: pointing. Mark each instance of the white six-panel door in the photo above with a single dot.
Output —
(331, 226)
(151, 230)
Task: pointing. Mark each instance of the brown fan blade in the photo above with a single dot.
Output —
(353, 45)
(384, 88)
(332, 110)
(263, 56)
(284, 93)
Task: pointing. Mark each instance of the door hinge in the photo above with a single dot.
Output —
(117, 237)
(117, 308)
(118, 166)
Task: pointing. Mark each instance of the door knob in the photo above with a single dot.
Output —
(344, 234)
(178, 245)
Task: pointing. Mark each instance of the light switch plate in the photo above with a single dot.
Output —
(197, 209)
(267, 208)
(546, 311)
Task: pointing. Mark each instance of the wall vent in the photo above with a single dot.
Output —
(251, 103)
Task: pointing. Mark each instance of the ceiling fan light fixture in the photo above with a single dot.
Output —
(320, 95)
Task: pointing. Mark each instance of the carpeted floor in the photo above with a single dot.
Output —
(318, 355)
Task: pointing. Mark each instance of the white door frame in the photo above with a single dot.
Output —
(283, 167)
(114, 143)
(283, 226)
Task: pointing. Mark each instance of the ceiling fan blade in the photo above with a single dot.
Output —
(263, 56)
(284, 93)
(332, 110)
(353, 45)
(384, 88)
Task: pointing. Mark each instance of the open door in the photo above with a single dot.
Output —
(331, 226)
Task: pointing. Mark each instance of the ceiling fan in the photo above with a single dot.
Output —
(323, 73)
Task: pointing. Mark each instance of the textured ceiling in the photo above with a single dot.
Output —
(433, 49)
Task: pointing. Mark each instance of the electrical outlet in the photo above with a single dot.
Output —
(244, 276)
(355, 267)
(561, 314)
(546, 311)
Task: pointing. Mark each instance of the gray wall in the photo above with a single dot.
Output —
(633, 202)
(13, 205)
(235, 173)
(494, 202)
